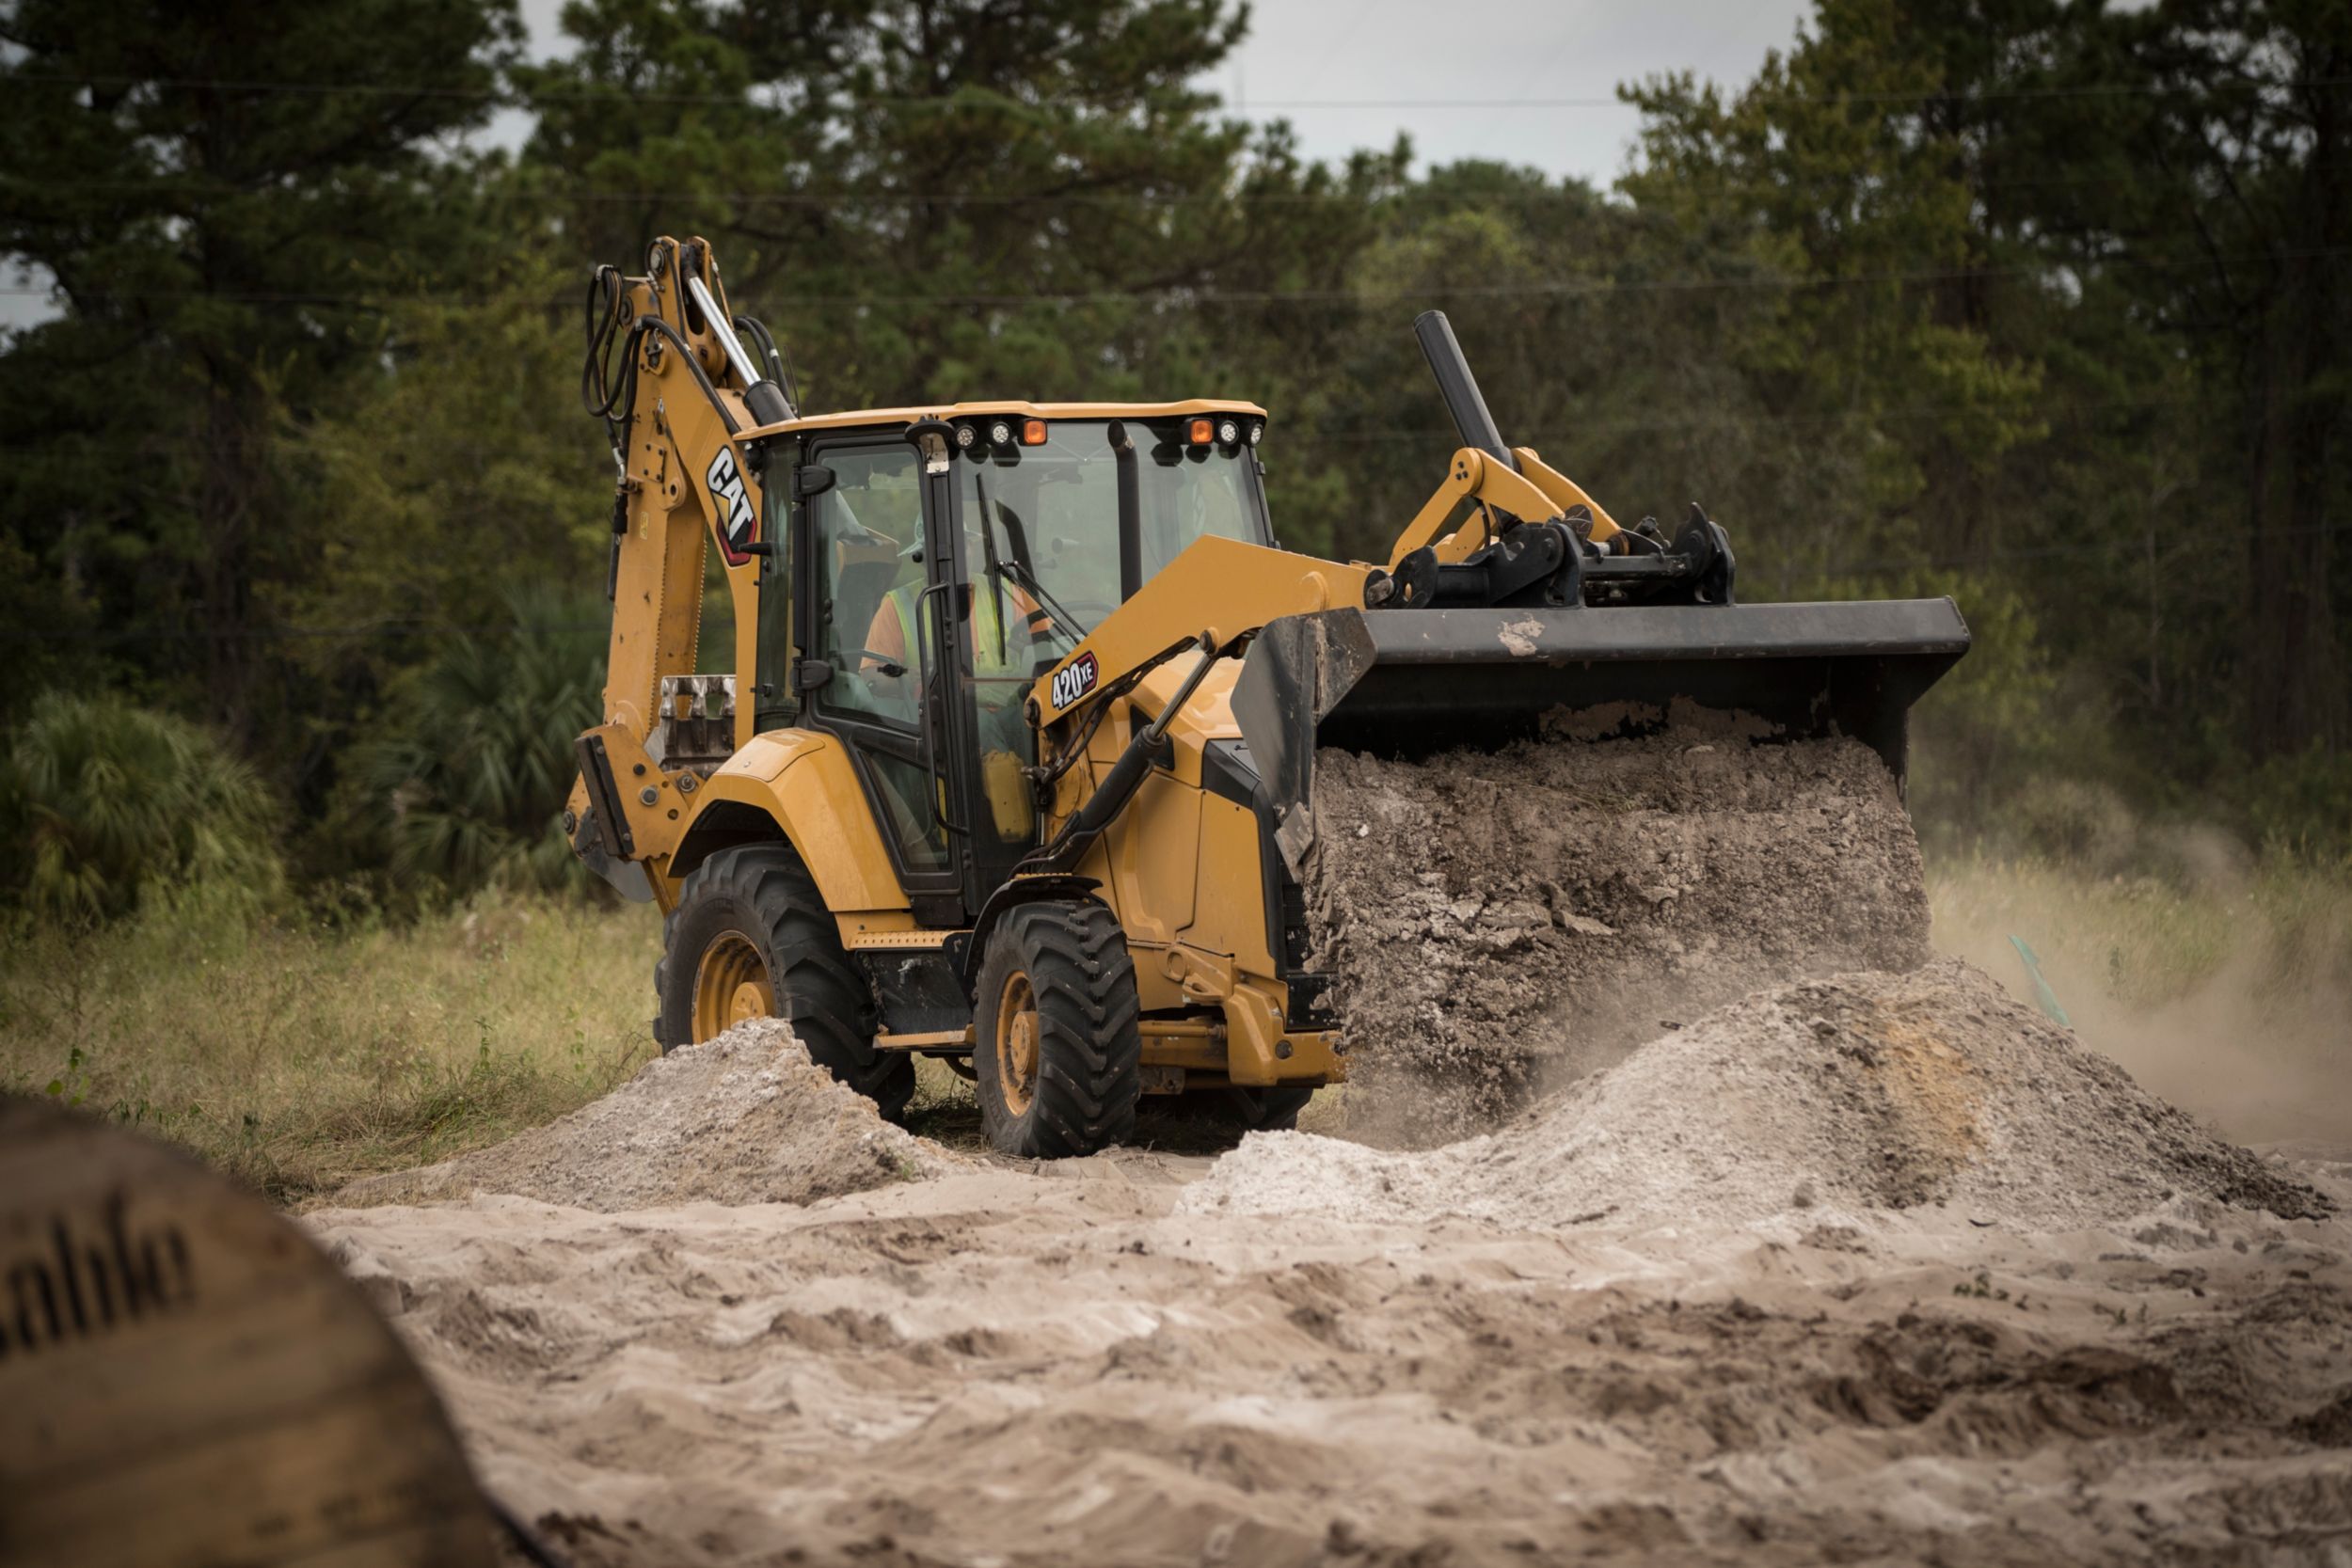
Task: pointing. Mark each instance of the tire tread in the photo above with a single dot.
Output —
(1089, 1039)
(818, 990)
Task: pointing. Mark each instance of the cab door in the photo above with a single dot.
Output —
(998, 649)
(875, 587)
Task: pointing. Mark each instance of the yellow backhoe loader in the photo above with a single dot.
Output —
(1015, 765)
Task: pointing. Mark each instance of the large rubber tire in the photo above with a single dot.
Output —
(1069, 961)
(761, 893)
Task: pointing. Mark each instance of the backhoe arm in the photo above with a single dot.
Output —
(671, 378)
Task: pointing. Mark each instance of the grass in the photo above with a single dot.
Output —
(2149, 941)
(297, 1059)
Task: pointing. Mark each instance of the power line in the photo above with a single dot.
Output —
(834, 200)
(1202, 297)
(422, 629)
(991, 100)
(1281, 439)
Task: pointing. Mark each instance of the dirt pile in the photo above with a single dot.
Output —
(744, 1118)
(1494, 921)
(1858, 1093)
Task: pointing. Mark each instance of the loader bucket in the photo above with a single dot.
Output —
(1413, 682)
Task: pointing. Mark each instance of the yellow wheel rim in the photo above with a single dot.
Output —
(1016, 1043)
(730, 985)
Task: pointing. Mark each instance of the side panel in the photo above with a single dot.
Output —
(804, 781)
(1229, 903)
(1154, 867)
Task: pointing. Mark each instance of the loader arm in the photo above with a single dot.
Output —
(1511, 595)
(1535, 492)
(1224, 588)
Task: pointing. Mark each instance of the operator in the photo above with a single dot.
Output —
(998, 651)
(1001, 665)
(891, 632)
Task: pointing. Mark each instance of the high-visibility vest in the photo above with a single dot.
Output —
(986, 619)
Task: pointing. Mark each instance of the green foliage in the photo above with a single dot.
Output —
(2303, 805)
(104, 806)
(478, 757)
(224, 248)
(2028, 302)
(436, 489)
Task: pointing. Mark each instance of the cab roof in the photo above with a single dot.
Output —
(1019, 408)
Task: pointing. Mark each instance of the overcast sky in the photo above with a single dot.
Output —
(1351, 75)
(1304, 58)
(1400, 57)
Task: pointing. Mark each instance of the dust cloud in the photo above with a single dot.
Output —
(2261, 1046)
(1860, 1093)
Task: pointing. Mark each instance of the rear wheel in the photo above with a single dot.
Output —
(751, 938)
(1056, 1066)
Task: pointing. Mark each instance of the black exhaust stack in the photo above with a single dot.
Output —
(1459, 388)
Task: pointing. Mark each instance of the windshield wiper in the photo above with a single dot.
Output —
(1020, 571)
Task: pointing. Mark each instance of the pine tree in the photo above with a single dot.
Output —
(224, 196)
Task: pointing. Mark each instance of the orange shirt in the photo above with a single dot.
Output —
(888, 634)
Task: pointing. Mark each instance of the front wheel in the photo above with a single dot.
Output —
(751, 938)
(1057, 1064)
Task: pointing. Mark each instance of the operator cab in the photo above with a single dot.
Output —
(939, 563)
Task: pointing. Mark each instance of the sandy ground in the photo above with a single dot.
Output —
(1062, 1368)
(1871, 1265)
(1153, 1359)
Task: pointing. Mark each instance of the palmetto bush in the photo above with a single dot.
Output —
(478, 755)
(104, 804)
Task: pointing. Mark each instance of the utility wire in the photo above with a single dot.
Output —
(1283, 440)
(435, 628)
(991, 100)
(1178, 295)
(836, 201)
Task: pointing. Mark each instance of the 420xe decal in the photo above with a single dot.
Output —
(1076, 679)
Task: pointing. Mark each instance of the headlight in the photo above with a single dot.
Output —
(1229, 433)
(966, 436)
(1000, 434)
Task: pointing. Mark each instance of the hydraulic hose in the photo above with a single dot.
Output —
(1147, 750)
